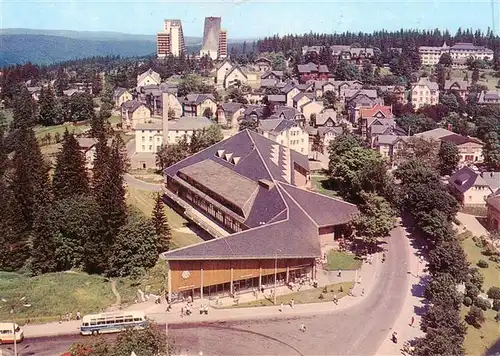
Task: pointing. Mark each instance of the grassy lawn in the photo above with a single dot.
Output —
(489, 80)
(144, 201)
(478, 340)
(342, 260)
(55, 293)
(320, 185)
(305, 296)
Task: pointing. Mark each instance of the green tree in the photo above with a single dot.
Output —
(448, 158)
(442, 289)
(475, 317)
(441, 341)
(62, 81)
(251, 125)
(135, 248)
(212, 135)
(346, 71)
(449, 257)
(376, 218)
(161, 225)
(367, 73)
(237, 96)
(318, 145)
(426, 150)
(491, 151)
(70, 175)
(446, 60)
(24, 110)
(475, 75)
(49, 113)
(81, 107)
(450, 101)
(329, 99)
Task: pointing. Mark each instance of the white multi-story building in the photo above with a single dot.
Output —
(424, 92)
(170, 41)
(285, 132)
(430, 55)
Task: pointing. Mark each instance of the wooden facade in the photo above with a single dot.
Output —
(195, 275)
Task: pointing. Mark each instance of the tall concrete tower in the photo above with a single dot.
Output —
(211, 35)
(165, 104)
(170, 41)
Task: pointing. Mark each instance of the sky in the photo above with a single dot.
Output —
(247, 18)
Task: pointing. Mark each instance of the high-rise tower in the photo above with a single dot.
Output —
(213, 38)
(171, 39)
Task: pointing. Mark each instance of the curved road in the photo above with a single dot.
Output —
(358, 330)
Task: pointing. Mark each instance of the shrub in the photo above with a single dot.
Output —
(465, 235)
(496, 305)
(482, 264)
(467, 301)
(475, 317)
(493, 293)
(471, 290)
(482, 303)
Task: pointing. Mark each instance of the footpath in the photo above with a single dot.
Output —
(369, 274)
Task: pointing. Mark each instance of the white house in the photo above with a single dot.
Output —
(150, 77)
(285, 132)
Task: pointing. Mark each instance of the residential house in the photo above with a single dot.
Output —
(398, 92)
(276, 99)
(228, 113)
(149, 135)
(174, 105)
(312, 71)
(134, 112)
(148, 78)
(326, 134)
(120, 96)
(285, 132)
(470, 148)
(472, 188)
(289, 113)
(382, 127)
(493, 212)
(311, 108)
(361, 54)
(461, 87)
(320, 87)
(222, 70)
(377, 111)
(346, 87)
(326, 118)
(356, 99)
(263, 64)
(198, 104)
(489, 97)
(235, 77)
(88, 148)
(302, 98)
(424, 92)
(268, 83)
(290, 91)
(273, 74)
(389, 145)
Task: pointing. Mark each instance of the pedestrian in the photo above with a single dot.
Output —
(281, 307)
(363, 292)
(182, 312)
(340, 273)
(335, 299)
(262, 290)
(71, 315)
(292, 304)
(78, 316)
(412, 320)
(60, 318)
(67, 316)
(302, 328)
(359, 280)
(395, 337)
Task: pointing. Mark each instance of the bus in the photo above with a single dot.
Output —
(7, 333)
(94, 324)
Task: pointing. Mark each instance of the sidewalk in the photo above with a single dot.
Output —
(412, 307)
(369, 274)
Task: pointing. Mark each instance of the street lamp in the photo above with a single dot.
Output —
(19, 303)
(275, 273)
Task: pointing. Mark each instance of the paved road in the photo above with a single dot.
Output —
(140, 184)
(358, 330)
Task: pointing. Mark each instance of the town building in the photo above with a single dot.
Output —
(326, 134)
(273, 74)
(398, 91)
(263, 64)
(285, 132)
(170, 41)
(214, 39)
(120, 96)
(311, 109)
(461, 87)
(356, 99)
(389, 145)
(228, 114)
(88, 148)
(150, 77)
(424, 92)
(493, 212)
(269, 231)
(430, 55)
(134, 112)
(472, 188)
(347, 88)
(198, 104)
(367, 117)
(311, 71)
(491, 97)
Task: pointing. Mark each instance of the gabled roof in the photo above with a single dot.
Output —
(389, 139)
(324, 115)
(435, 134)
(119, 92)
(263, 59)
(456, 84)
(236, 68)
(301, 95)
(230, 108)
(385, 111)
(337, 130)
(286, 112)
(350, 94)
(283, 219)
(132, 105)
(460, 139)
(277, 73)
(311, 67)
(156, 77)
(267, 83)
(277, 98)
(465, 178)
(197, 99)
(426, 82)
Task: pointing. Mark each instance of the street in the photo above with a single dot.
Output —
(358, 330)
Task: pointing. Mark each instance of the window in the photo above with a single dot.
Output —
(150, 138)
(143, 147)
(143, 138)
(150, 147)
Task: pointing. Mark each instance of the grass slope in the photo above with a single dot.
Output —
(53, 294)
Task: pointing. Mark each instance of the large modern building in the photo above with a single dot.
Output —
(170, 41)
(214, 39)
(459, 52)
(249, 193)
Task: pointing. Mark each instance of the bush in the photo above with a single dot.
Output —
(489, 250)
(475, 317)
(465, 235)
(496, 305)
(493, 293)
(482, 303)
(471, 290)
(467, 301)
(482, 264)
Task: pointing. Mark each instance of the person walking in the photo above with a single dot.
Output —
(78, 315)
(363, 292)
(292, 304)
(67, 316)
(335, 299)
(340, 273)
(281, 307)
(395, 337)
(412, 321)
(70, 315)
(302, 328)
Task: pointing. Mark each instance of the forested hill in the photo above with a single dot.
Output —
(43, 49)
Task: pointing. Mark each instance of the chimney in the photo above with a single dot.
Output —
(165, 105)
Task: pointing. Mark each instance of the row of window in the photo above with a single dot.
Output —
(227, 221)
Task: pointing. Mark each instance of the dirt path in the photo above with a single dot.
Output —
(118, 302)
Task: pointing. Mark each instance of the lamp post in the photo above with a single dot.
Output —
(275, 273)
(17, 304)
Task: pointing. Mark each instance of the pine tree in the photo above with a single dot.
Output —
(491, 150)
(162, 228)
(70, 175)
(48, 113)
(475, 75)
(24, 111)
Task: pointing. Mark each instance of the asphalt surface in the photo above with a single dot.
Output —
(359, 330)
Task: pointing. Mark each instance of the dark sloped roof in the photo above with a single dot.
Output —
(132, 105)
(465, 178)
(459, 139)
(196, 99)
